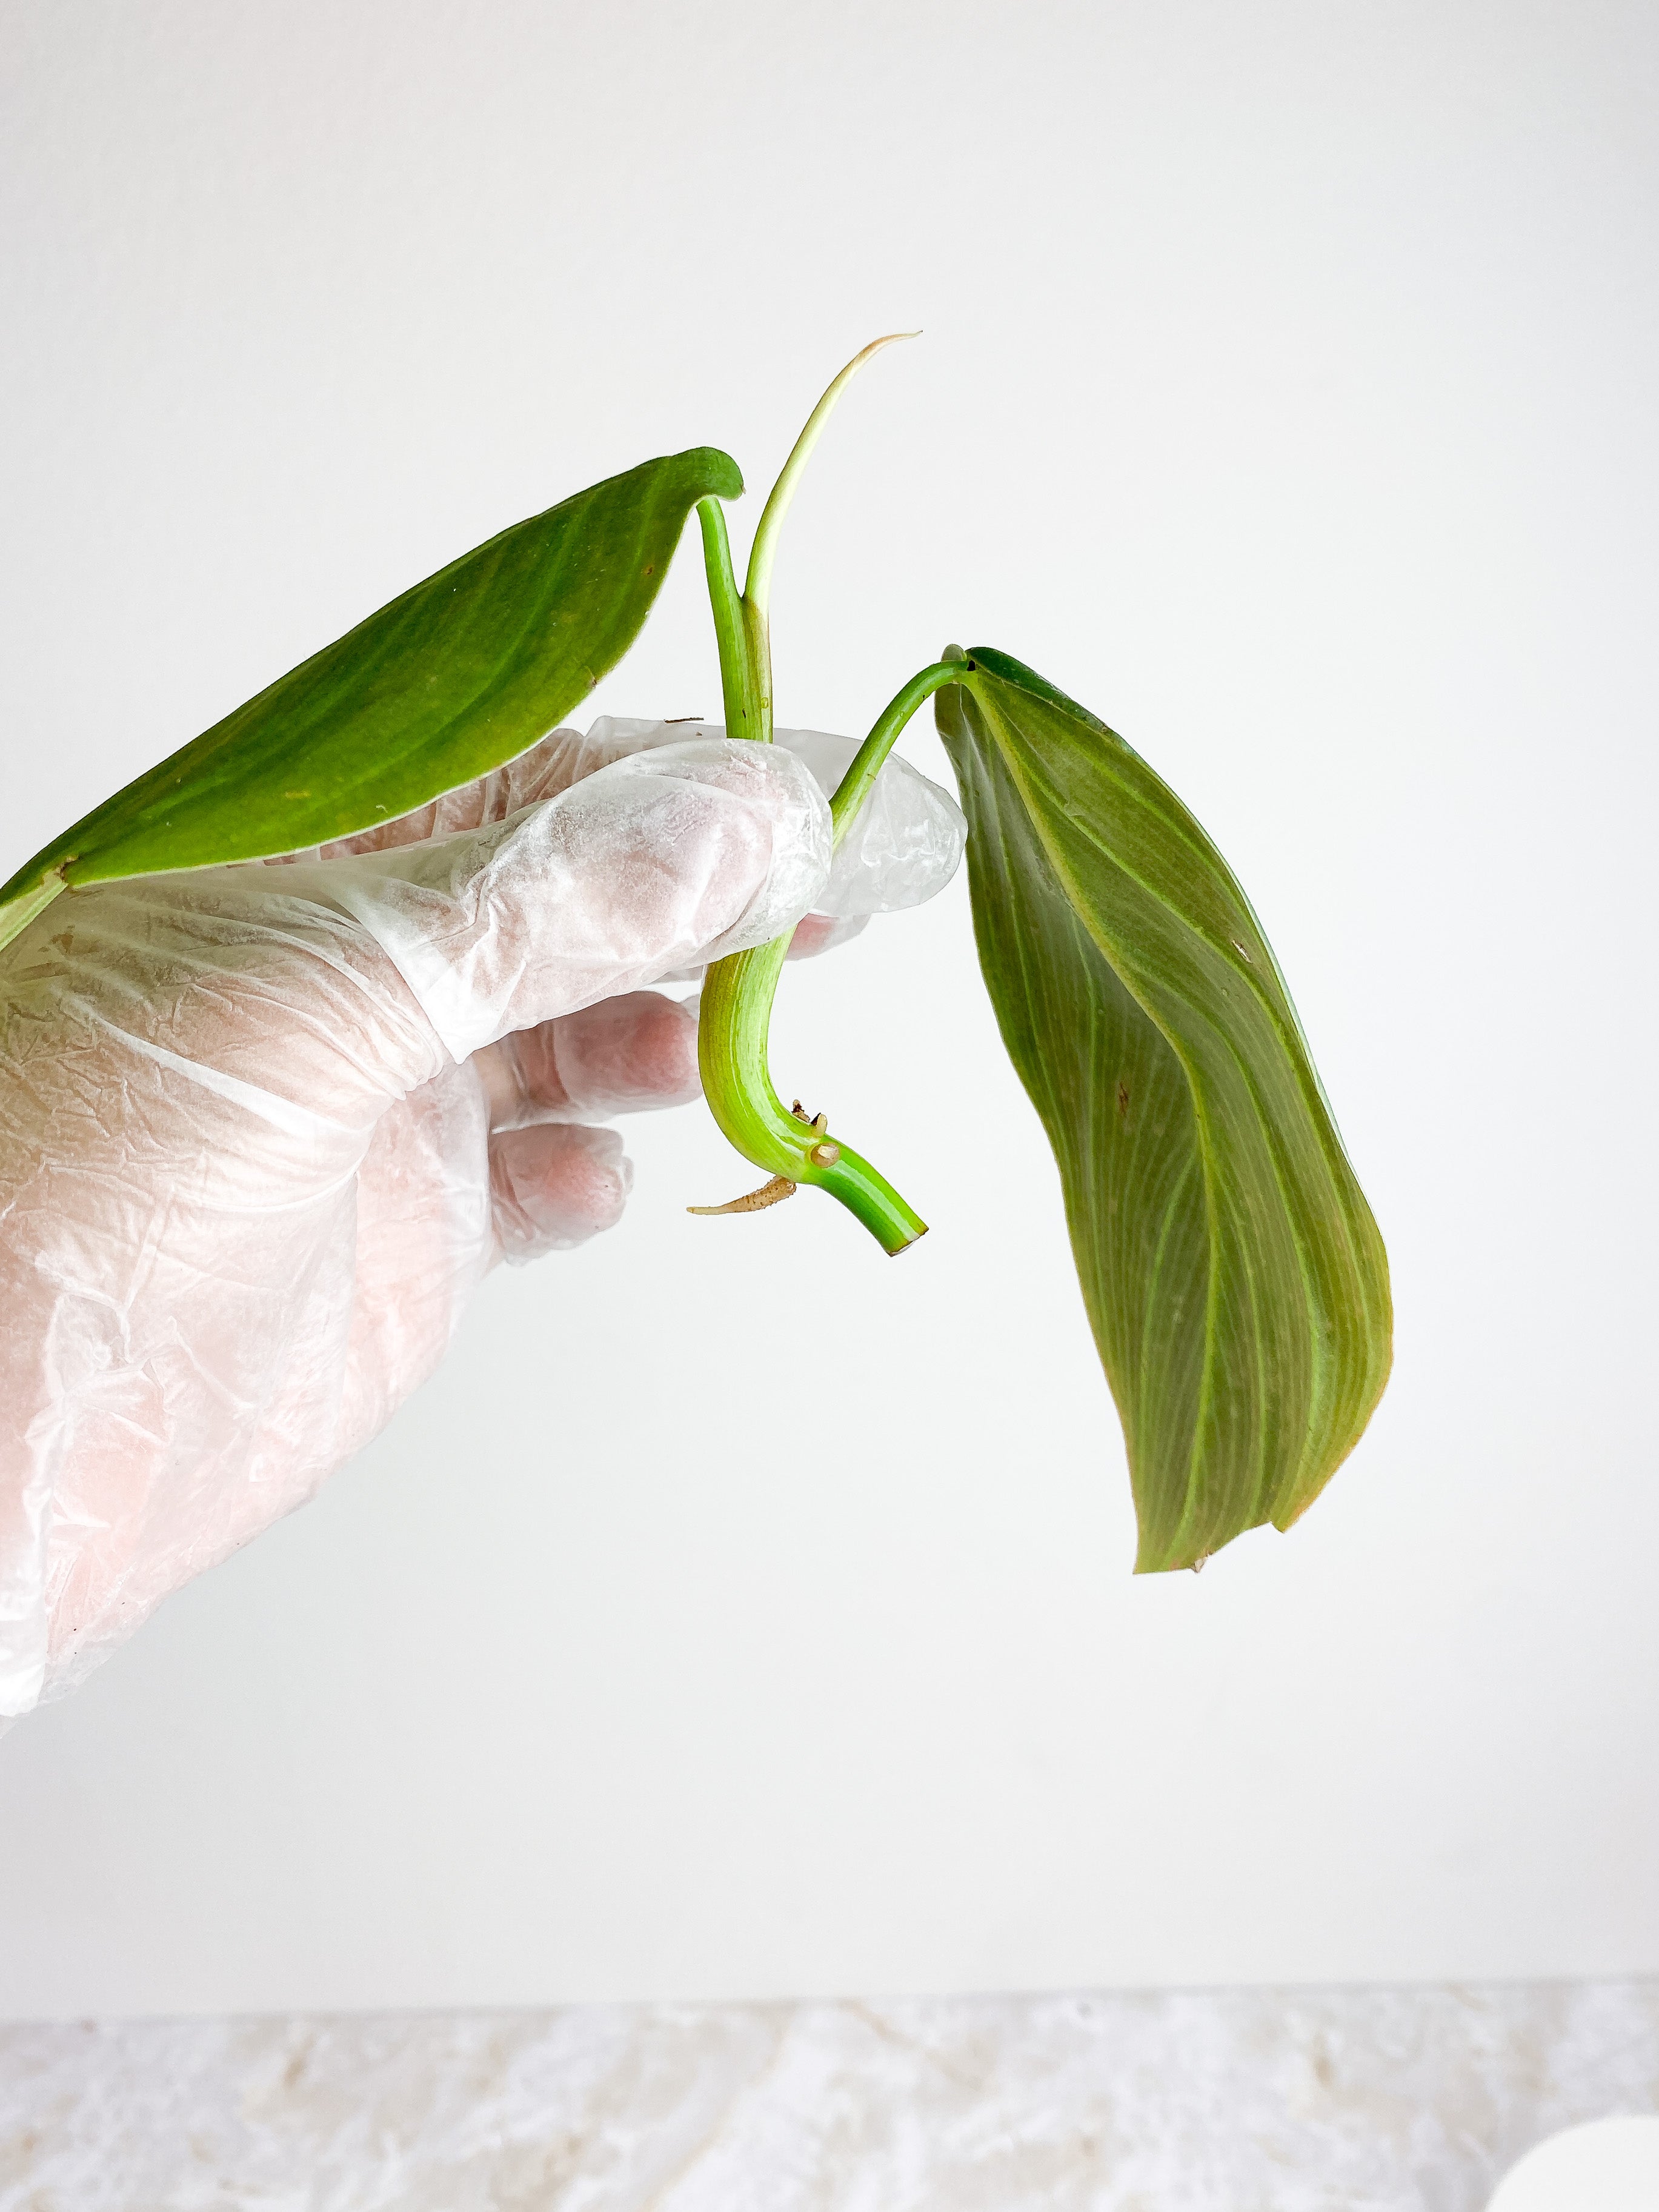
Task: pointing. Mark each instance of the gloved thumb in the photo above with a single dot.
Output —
(662, 860)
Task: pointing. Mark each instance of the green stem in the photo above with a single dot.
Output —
(855, 786)
(736, 1012)
(743, 622)
(735, 1018)
(758, 636)
(747, 715)
(733, 1021)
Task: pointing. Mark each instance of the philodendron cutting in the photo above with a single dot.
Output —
(1234, 1277)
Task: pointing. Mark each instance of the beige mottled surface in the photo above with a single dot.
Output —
(1379, 2100)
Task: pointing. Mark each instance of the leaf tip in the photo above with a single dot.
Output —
(715, 471)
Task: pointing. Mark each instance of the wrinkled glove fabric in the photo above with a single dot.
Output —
(264, 1128)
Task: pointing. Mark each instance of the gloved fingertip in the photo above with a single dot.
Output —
(555, 1185)
(822, 932)
(628, 1054)
(657, 862)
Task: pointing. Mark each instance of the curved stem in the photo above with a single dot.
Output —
(736, 1012)
(866, 765)
(735, 1018)
(733, 1021)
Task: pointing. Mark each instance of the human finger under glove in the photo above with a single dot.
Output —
(264, 1128)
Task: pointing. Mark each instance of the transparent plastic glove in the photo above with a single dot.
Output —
(906, 841)
(263, 1129)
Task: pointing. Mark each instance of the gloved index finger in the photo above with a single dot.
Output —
(904, 845)
(562, 758)
(665, 859)
(630, 1054)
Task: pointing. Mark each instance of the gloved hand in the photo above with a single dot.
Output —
(264, 1128)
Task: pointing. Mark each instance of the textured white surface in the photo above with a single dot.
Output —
(1380, 2100)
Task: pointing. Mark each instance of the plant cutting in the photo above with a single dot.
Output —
(1234, 1278)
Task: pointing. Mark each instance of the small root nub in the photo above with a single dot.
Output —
(752, 1201)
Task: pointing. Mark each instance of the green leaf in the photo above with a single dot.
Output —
(1234, 1277)
(461, 673)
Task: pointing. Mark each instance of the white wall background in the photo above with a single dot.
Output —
(738, 1614)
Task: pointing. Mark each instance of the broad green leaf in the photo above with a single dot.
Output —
(1234, 1277)
(461, 673)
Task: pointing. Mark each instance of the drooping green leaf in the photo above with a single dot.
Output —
(1234, 1277)
(459, 674)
